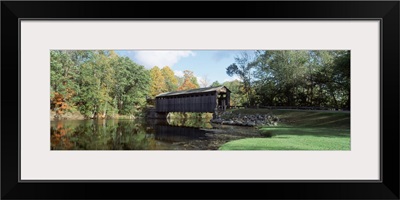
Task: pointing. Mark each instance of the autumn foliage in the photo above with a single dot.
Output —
(157, 84)
(188, 82)
(59, 104)
(171, 82)
(101, 84)
(164, 80)
(59, 137)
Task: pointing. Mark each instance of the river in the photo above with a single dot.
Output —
(140, 134)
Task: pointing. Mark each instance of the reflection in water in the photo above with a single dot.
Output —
(178, 134)
(194, 122)
(127, 135)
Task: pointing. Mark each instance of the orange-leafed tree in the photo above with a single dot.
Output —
(60, 104)
(190, 81)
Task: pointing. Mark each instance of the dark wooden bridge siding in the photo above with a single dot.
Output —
(189, 103)
(197, 100)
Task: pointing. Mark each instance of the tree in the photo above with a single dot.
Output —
(216, 84)
(195, 82)
(157, 85)
(63, 70)
(171, 81)
(242, 67)
(303, 78)
(190, 81)
(342, 76)
(236, 88)
(64, 74)
(132, 86)
(282, 74)
(97, 83)
(334, 76)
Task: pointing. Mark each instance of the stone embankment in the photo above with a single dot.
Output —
(228, 118)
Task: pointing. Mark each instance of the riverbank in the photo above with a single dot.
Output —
(297, 130)
(76, 115)
(287, 130)
(240, 119)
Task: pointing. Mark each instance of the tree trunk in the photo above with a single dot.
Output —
(334, 99)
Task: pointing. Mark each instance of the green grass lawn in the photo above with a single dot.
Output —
(299, 130)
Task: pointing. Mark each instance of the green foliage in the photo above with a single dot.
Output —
(171, 81)
(236, 88)
(131, 88)
(215, 84)
(243, 67)
(295, 78)
(195, 82)
(98, 83)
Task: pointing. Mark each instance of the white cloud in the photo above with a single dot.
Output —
(178, 73)
(160, 58)
(232, 78)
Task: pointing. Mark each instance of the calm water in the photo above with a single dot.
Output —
(130, 135)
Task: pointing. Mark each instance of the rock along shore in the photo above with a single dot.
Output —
(228, 118)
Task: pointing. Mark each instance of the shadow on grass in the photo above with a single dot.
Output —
(304, 118)
(319, 132)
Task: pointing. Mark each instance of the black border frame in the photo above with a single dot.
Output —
(385, 11)
(195, 180)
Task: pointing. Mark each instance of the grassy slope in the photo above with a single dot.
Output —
(299, 130)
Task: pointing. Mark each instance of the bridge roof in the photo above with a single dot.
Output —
(194, 91)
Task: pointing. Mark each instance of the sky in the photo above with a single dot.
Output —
(203, 63)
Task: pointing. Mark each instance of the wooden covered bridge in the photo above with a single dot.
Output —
(208, 100)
